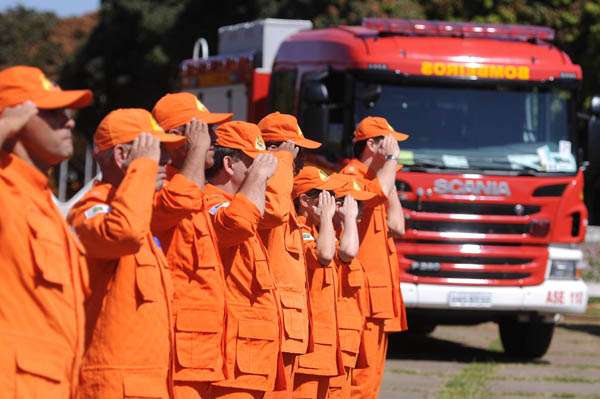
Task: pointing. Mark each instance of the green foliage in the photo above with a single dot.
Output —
(132, 56)
(24, 39)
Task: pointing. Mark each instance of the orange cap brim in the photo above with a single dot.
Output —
(397, 135)
(212, 118)
(63, 99)
(252, 153)
(172, 140)
(357, 195)
(400, 136)
(306, 143)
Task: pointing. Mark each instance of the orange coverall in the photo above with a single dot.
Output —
(384, 309)
(315, 368)
(129, 326)
(253, 364)
(183, 226)
(350, 325)
(282, 235)
(43, 278)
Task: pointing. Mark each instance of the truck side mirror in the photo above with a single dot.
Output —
(315, 92)
(595, 105)
(369, 94)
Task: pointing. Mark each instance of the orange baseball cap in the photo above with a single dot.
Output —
(355, 187)
(242, 136)
(374, 126)
(24, 83)
(177, 109)
(313, 178)
(124, 125)
(284, 127)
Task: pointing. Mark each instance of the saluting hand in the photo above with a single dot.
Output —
(349, 209)
(264, 166)
(290, 147)
(16, 117)
(197, 136)
(326, 208)
(389, 146)
(145, 146)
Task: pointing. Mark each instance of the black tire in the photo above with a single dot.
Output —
(527, 340)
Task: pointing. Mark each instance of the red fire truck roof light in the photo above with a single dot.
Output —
(412, 27)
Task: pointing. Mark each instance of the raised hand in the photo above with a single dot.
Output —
(288, 146)
(326, 207)
(349, 208)
(145, 146)
(389, 147)
(16, 117)
(197, 136)
(264, 166)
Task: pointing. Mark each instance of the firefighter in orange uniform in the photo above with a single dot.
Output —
(183, 226)
(351, 282)
(376, 146)
(43, 276)
(317, 207)
(235, 199)
(129, 329)
(282, 235)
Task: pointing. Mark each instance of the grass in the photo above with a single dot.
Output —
(591, 254)
(469, 383)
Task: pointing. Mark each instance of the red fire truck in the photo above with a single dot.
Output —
(492, 183)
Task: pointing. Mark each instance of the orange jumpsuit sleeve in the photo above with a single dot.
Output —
(235, 221)
(279, 192)
(119, 228)
(179, 198)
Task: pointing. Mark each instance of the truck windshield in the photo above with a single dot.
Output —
(490, 128)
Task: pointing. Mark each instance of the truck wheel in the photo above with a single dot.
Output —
(528, 340)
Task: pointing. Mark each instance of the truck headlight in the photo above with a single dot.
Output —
(563, 269)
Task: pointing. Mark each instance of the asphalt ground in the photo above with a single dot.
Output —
(468, 362)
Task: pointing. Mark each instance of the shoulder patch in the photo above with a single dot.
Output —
(214, 209)
(96, 210)
(306, 236)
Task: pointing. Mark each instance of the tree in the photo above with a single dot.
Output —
(25, 39)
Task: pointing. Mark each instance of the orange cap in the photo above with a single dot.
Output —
(311, 178)
(124, 125)
(22, 83)
(355, 187)
(374, 126)
(177, 109)
(284, 127)
(242, 136)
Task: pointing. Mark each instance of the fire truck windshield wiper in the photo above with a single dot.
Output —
(424, 163)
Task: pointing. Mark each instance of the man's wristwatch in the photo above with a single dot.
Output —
(391, 158)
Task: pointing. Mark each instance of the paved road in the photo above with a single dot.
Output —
(467, 362)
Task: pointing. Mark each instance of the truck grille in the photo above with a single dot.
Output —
(470, 275)
(448, 263)
(471, 208)
(467, 227)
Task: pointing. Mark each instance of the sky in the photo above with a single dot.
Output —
(63, 8)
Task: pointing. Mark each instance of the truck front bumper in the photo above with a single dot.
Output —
(552, 296)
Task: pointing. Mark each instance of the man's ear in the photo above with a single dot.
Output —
(303, 200)
(228, 165)
(121, 155)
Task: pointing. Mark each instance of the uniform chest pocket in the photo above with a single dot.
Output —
(378, 219)
(257, 346)
(262, 274)
(206, 254)
(354, 274)
(198, 338)
(294, 318)
(147, 275)
(49, 254)
(40, 375)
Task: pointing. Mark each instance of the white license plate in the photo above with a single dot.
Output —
(469, 299)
